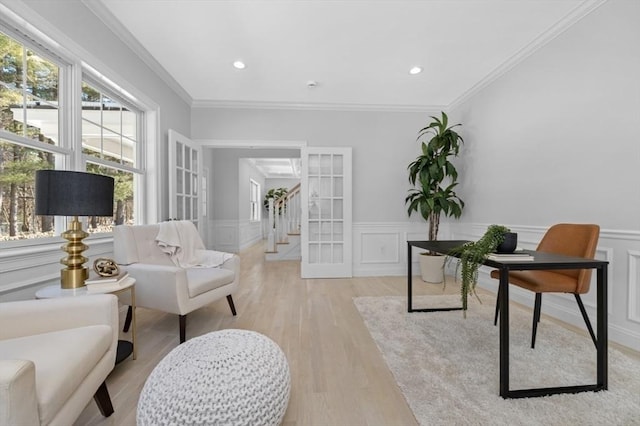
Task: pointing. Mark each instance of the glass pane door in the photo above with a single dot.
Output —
(184, 178)
(326, 211)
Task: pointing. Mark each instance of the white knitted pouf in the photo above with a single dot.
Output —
(228, 377)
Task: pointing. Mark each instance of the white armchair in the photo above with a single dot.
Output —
(165, 286)
(55, 354)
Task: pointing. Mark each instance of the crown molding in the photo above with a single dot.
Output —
(251, 143)
(315, 106)
(104, 14)
(570, 19)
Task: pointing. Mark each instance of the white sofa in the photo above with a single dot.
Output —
(55, 355)
(164, 286)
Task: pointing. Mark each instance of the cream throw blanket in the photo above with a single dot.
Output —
(181, 241)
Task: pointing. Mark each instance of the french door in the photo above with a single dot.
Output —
(326, 213)
(185, 158)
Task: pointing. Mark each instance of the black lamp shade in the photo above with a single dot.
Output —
(65, 193)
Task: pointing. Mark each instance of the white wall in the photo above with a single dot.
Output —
(384, 143)
(557, 139)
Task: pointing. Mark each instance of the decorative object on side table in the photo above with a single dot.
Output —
(472, 255)
(106, 267)
(66, 193)
(434, 178)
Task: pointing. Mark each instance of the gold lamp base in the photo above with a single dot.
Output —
(74, 275)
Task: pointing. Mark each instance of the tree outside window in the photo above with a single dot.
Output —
(29, 119)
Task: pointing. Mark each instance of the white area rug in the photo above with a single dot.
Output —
(448, 367)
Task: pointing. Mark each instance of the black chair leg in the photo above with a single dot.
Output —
(231, 305)
(127, 320)
(586, 319)
(183, 328)
(536, 318)
(103, 401)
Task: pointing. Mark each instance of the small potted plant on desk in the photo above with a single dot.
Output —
(434, 178)
(471, 256)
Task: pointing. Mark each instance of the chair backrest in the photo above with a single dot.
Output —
(573, 239)
(137, 244)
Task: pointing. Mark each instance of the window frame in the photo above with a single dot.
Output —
(255, 207)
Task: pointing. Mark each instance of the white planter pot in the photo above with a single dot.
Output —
(432, 268)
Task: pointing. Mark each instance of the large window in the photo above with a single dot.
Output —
(29, 135)
(36, 132)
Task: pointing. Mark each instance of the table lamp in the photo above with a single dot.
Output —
(66, 193)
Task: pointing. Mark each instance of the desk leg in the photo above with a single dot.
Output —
(409, 280)
(133, 317)
(503, 290)
(602, 329)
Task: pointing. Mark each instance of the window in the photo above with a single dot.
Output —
(109, 129)
(254, 200)
(39, 101)
(29, 135)
(110, 144)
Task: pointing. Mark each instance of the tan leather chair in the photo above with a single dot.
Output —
(579, 240)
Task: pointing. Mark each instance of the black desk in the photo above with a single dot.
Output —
(542, 261)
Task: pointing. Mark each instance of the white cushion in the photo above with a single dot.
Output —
(201, 280)
(63, 359)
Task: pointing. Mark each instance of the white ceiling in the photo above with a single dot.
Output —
(273, 168)
(358, 51)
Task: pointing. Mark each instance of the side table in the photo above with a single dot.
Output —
(125, 348)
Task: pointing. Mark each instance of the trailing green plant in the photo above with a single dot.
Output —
(472, 255)
(433, 175)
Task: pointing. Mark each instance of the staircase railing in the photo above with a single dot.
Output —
(284, 218)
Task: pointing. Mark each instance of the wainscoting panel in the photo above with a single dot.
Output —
(634, 286)
(380, 247)
(250, 233)
(224, 235)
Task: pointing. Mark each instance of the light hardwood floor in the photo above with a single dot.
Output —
(338, 376)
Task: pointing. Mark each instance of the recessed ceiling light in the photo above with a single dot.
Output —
(415, 70)
(239, 65)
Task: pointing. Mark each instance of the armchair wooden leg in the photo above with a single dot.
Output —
(183, 327)
(231, 305)
(127, 320)
(536, 318)
(586, 319)
(103, 401)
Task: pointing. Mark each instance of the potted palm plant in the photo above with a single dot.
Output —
(434, 179)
